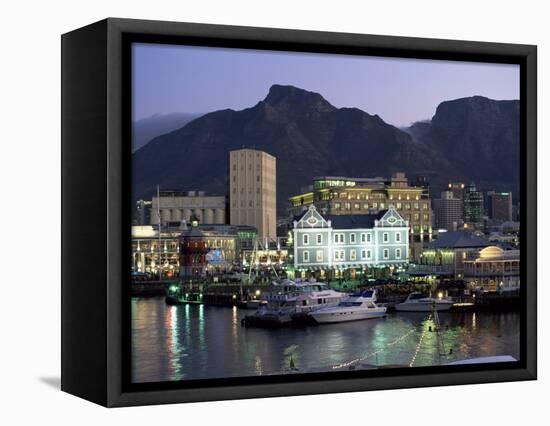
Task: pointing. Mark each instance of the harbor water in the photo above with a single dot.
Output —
(189, 342)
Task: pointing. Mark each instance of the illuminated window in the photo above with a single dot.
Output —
(357, 206)
(398, 206)
(347, 206)
(353, 254)
(319, 255)
(337, 206)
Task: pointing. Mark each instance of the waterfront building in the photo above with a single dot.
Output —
(473, 208)
(207, 250)
(153, 255)
(177, 206)
(337, 196)
(343, 242)
(444, 257)
(500, 206)
(253, 191)
(448, 211)
(493, 269)
(218, 249)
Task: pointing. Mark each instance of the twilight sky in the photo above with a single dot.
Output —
(170, 79)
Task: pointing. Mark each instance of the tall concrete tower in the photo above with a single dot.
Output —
(253, 191)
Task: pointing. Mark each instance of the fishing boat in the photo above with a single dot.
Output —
(359, 306)
(418, 302)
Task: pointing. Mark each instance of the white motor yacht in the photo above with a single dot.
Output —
(417, 302)
(358, 306)
(290, 300)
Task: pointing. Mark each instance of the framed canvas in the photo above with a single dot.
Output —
(254, 212)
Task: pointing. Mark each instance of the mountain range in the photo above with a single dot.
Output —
(468, 139)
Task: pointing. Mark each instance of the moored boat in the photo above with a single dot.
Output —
(288, 301)
(417, 302)
(359, 306)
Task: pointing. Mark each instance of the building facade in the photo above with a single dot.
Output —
(177, 206)
(360, 196)
(447, 211)
(445, 256)
(493, 269)
(207, 251)
(350, 242)
(253, 191)
(473, 208)
(500, 206)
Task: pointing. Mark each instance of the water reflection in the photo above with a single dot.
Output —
(197, 341)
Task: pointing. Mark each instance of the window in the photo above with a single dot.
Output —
(352, 238)
(398, 237)
(374, 205)
(319, 255)
(369, 236)
(386, 237)
(386, 254)
(363, 237)
(336, 255)
(398, 206)
(305, 239)
(306, 256)
(363, 254)
(353, 254)
(357, 206)
(347, 206)
(319, 239)
(336, 206)
(339, 238)
(369, 254)
(398, 253)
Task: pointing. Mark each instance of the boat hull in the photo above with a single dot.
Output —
(422, 307)
(346, 316)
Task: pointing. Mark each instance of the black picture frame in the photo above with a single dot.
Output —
(96, 210)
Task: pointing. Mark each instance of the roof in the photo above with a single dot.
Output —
(355, 220)
(459, 239)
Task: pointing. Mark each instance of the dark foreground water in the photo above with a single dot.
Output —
(198, 342)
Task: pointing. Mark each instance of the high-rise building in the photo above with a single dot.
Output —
(253, 191)
(473, 208)
(500, 206)
(142, 212)
(448, 211)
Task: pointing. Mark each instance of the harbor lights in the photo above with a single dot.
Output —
(258, 292)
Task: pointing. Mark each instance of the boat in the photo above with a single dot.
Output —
(292, 301)
(177, 295)
(359, 306)
(418, 302)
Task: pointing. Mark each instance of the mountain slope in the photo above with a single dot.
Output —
(479, 136)
(149, 128)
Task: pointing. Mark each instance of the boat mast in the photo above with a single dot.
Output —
(159, 231)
